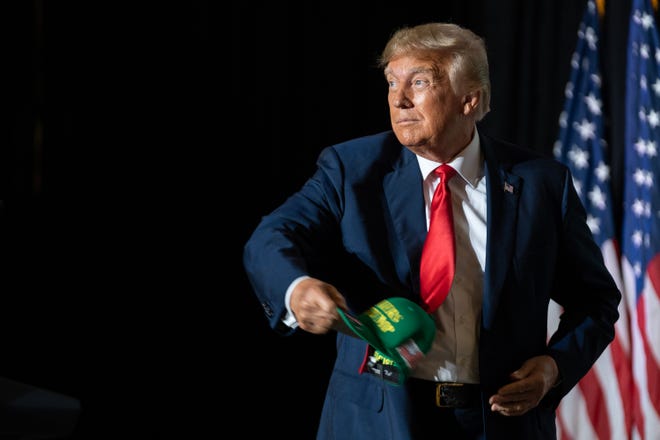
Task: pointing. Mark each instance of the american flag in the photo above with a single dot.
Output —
(599, 407)
(641, 217)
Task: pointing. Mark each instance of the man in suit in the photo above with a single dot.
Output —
(353, 235)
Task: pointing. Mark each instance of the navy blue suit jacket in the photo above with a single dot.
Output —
(359, 224)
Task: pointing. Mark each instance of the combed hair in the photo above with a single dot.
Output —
(468, 63)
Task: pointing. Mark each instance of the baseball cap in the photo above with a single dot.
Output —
(396, 327)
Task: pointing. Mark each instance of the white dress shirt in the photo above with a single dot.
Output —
(454, 355)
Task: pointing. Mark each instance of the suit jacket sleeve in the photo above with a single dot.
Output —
(293, 239)
(587, 293)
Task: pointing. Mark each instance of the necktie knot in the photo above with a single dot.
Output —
(445, 172)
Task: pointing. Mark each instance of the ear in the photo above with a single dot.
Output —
(470, 102)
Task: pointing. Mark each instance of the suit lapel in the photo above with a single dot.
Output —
(405, 202)
(503, 196)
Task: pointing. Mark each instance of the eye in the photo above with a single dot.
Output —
(391, 83)
(420, 83)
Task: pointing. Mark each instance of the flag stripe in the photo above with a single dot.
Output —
(649, 314)
(621, 366)
(595, 400)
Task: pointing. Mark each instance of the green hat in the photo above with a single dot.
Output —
(397, 327)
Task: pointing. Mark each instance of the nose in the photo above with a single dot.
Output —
(400, 100)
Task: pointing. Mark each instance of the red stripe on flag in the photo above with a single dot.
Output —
(563, 432)
(593, 395)
(652, 368)
(621, 361)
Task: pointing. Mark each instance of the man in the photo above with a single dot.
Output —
(354, 235)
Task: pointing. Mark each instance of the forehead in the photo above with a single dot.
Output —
(410, 65)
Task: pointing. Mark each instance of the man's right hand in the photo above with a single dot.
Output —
(314, 304)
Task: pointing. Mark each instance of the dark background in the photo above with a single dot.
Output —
(141, 145)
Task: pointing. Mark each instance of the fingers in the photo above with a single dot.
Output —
(314, 304)
(512, 409)
(316, 323)
(510, 402)
(529, 386)
(316, 316)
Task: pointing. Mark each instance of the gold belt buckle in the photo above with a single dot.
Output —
(438, 393)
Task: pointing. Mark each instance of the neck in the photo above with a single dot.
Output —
(443, 152)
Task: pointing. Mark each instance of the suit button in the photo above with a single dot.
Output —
(267, 309)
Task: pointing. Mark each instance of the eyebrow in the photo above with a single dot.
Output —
(413, 71)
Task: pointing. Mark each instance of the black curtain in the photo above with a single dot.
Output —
(141, 145)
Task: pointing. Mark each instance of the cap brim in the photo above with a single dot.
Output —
(361, 329)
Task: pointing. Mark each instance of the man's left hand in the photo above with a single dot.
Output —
(530, 383)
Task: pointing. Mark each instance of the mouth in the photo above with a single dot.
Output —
(406, 121)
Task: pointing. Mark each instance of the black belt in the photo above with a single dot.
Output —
(444, 394)
(447, 394)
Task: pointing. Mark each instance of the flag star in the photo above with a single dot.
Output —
(568, 90)
(591, 37)
(586, 129)
(639, 177)
(644, 51)
(643, 178)
(563, 119)
(638, 208)
(647, 20)
(597, 197)
(594, 224)
(592, 7)
(637, 268)
(602, 172)
(637, 238)
(593, 103)
(656, 86)
(557, 149)
(579, 157)
(643, 83)
(657, 54)
(653, 119)
(646, 148)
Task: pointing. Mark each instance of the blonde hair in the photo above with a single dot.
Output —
(459, 50)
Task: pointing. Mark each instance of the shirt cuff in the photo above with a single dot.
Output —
(290, 319)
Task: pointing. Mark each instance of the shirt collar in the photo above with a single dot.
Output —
(467, 162)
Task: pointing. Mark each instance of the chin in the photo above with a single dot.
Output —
(407, 139)
(411, 142)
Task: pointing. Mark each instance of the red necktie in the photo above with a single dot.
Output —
(438, 255)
